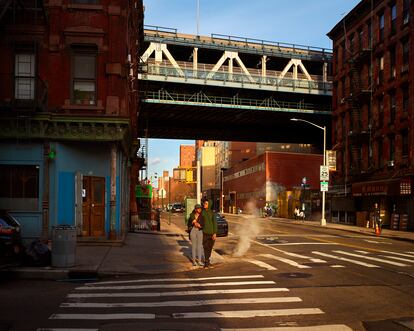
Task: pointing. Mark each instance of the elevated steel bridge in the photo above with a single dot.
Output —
(231, 88)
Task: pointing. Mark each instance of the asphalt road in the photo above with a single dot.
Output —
(292, 277)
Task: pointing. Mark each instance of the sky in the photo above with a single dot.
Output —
(304, 22)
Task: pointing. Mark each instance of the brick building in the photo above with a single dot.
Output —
(373, 112)
(68, 105)
(271, 177)
(187, 156)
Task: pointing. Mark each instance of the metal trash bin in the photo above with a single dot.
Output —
(63, 246)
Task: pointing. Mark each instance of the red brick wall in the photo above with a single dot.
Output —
(285, 169)
(187, 156)
(288, 169)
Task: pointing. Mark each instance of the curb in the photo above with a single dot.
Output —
(356, 230)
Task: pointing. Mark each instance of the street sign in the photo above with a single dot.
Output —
(162, 193)
(324, 186)
(324, 173)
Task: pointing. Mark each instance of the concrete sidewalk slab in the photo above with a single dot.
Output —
(166, 251)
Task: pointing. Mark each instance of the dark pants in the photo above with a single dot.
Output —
(208, 244)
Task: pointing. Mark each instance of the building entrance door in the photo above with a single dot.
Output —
(93, 206)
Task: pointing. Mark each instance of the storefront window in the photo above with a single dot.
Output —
(19, 189)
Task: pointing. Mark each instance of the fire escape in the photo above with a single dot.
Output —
(360, 94)
(23, 90)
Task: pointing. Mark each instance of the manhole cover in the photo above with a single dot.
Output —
(294, 275)
(270, 240)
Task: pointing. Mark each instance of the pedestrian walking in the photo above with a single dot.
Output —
(196, 235)
(209, 225)
(377, 219)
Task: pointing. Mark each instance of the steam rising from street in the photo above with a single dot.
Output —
(248, 230)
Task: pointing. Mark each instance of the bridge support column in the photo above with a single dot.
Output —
(264, 59)
(195, 61)
(325, 72)
(231, 68)
(112, 202)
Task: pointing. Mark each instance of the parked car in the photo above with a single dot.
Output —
(177, 208)
(222, 226)
(10, 235)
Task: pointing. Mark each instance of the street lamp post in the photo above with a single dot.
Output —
(323, 128)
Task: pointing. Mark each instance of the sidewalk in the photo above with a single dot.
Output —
(385, 233)
(166, 251)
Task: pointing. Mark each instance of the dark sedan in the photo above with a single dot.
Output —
(222, 226)
(10, 236)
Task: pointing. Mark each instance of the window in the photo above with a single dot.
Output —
(406, 55)
(380, 64)
(352, 44)
(381, 22)
(343, 91)
(406, 98)
(392, 63)
(393, 107)
(84, 76)
(380, 112)
(393, 18)
(24, 76)
(406, 11)
(392, 148)
(343, 54)
(19, 189)
(369, 29)
(404, 142)
(380, 152)
(360, 39)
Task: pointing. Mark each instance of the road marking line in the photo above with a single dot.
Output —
(261, 264)
(181, 303)
(249, 313)
(377, 242)
(400, 254)
(372, 258)
(174, 279)
(177, 293)
(65, 329)
(101, 316)
(327, 327)
(290, 262)
(299, 244)
(137, 287)
(337, 266)
(410, 253)
(362, 252)
(398, 258)
(346, 259)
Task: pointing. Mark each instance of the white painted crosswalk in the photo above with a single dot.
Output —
(100, 302)
(362, 258)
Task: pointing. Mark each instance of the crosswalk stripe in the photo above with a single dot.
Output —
(400, 254)
(362, 252)
(410, 253)
(175, 279)
(137, 287)
(346, 259)
(181, 303)
(261, 264)
(303, 243)
(249, 313)
(332, 327)
(100, 316)
(177, 293)
(398, 258)
(372, 258)
(337, 266)
(282, 259)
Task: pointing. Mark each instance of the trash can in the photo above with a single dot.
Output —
(63, 246)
